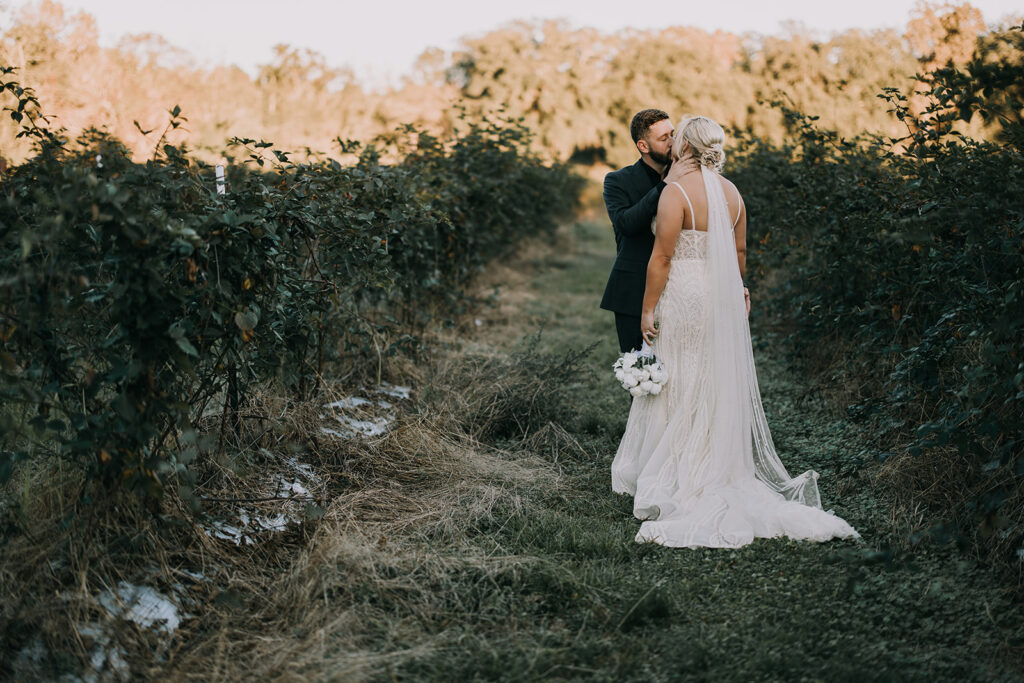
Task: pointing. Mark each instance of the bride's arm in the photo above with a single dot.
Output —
(669, 223)
(740, 234)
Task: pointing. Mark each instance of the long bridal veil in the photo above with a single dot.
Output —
(738, 427)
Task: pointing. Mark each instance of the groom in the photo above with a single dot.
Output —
(631, 196)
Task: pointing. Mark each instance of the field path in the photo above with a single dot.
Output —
(605, 607)
(444, 556)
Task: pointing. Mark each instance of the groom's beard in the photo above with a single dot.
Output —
(659, 158)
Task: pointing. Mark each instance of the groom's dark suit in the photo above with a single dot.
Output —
(631, 196)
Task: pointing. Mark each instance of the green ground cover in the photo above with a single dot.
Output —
(587, 602)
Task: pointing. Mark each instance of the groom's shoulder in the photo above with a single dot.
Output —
(625, 173)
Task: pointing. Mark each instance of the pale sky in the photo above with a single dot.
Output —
(380, 39)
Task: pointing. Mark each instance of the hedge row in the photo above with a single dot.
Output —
(898, 265)
(134, 294)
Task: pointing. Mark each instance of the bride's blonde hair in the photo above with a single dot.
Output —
(706, 138)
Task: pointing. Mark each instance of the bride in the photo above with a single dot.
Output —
(698, 457)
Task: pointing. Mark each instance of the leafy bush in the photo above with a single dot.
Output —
(899, 266)
(135, 297)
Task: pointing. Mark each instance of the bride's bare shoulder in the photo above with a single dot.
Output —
(728, 184)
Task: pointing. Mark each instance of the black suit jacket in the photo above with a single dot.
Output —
(631, 196)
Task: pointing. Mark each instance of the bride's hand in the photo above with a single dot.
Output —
(647, 328)
(746, 300)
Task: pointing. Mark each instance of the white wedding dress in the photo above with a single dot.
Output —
(698, 457)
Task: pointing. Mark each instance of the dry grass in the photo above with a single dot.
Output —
(366, 581)
(499, 396)
(364, 590)
(341, 597)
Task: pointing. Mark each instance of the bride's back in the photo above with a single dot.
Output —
(695, 200)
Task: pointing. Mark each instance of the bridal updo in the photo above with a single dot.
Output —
(706, 138)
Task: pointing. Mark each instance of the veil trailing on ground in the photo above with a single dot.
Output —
(738, 427)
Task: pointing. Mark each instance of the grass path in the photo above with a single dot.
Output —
(447, 557)
(588, 602)
(441, 552)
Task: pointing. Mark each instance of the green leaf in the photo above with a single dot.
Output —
(186, 346)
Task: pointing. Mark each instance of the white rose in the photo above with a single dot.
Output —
(655, 389)
(645, 374)
(628, 358)
(647, 385)
(619, 375)
(630, 381)
(636, 391)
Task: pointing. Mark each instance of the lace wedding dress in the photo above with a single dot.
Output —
(698, 457)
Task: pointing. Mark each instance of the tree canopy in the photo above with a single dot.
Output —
(576, 89)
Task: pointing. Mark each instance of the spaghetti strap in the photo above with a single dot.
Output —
(738, 212)
(693, 217)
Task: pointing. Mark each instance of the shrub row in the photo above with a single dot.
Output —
(898, 265)
(134, 297)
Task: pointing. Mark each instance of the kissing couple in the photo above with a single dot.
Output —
(698, 456)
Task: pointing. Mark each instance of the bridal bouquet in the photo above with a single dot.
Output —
(640, 372)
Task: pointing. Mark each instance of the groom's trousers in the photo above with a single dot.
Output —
(628, 329)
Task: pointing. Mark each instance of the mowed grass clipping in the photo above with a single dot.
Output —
(479, 539)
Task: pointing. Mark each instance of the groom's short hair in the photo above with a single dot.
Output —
(643, 120)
